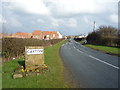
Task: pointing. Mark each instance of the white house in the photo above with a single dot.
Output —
(59, 35)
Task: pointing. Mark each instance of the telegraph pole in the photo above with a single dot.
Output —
(2, 31)
(3, 27)
(94, 26)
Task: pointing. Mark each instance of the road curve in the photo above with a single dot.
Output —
(92, 69)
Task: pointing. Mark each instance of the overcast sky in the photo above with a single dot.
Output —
(70, 17)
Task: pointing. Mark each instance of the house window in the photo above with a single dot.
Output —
(31, 36)
(47, 35)
(53, 35)
(36, 37)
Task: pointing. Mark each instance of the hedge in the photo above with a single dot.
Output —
(15, 47)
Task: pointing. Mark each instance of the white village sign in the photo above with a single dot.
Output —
(34, 51)
(34, 57)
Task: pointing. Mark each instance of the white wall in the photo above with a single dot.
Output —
(60, 35)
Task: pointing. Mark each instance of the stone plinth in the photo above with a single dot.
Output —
(34, 57)
(17, 76)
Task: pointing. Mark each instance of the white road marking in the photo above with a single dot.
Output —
(97, 59)
(62, 45)
(74, 47)
(104, 62)
(79, 51)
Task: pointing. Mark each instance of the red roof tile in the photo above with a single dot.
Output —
(37, 32)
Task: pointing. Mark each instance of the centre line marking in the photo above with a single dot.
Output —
(79, 51)
(74, 46)
(97, 59)
(104, 62)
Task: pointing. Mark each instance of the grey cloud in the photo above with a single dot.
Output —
(57, 21)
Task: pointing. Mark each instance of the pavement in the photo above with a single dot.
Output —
(91, 68)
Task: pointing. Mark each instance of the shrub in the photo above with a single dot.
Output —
(14, 47)
(93, 38)
(104, 36)
(79, 39)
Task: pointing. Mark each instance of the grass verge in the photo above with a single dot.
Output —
(52, 79)
(106, 49)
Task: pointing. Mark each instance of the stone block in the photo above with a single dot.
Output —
(17, 75)
(34, 57)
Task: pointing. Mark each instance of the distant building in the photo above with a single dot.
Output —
(3, 35)
(59, 35)
(0, 35)
(65, 37)
(20, 35)
(80, 36)
(37, 34)
(47, 35)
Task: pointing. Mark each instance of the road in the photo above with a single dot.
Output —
(91, 69)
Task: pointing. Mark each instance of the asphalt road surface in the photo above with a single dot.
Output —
(92, 69)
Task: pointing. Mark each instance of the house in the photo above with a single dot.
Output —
(65, 37)
(37, 34)
(4, 35)
(81, 36)
(20, 35)
(47, 35)
(59, 35)
(54, 35)
(0, 35)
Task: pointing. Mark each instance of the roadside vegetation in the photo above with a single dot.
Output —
(104, 35)
(14, 47)
(52, 79)
(105, 39)
(106, 49)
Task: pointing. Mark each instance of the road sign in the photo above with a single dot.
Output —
(34, 56)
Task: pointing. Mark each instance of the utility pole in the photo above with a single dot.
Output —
(3, 27)
(94, 26)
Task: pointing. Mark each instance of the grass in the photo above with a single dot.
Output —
(111, 50)
(81, 41)
(0, 75)
(52, 79)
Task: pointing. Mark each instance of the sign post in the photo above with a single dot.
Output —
(34, 57)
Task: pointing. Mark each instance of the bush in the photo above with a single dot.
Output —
(104, 36)
(79, 39)
(93, 38)
(15, 47)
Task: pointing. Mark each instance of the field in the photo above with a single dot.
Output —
(106, 49)
(52, 79)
